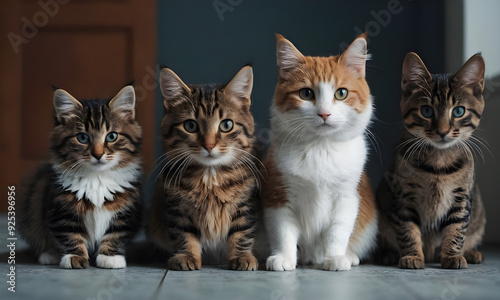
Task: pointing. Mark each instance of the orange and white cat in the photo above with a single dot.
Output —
(318, 204)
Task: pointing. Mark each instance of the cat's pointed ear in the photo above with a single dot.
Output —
(471, 73)
(288, 57)
(414, 72)
(65, 105)
(240, 87)
(172, 87)
(124, 102)
(355, 56)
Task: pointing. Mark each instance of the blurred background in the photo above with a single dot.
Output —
(93, 48)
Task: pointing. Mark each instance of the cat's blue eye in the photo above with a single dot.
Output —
(426, 111)
(226, 125)
(341, 94)
(458, 111)
(111, 137)
(306, 94)
(82, 138)
(190, 126)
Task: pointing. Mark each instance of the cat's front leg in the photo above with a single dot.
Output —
(69, 233)
(336, 236)
(453, 231)
(283, 234)
(240, 240)
(185, 238)
(405, 223)
(111, 251)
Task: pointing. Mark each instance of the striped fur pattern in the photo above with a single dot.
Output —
(317, 197)
(85, 201)
(431, 208)
(205, 199)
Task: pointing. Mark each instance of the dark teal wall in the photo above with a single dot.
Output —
(201, 47)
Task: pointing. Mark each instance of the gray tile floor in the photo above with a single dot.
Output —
(141, 281)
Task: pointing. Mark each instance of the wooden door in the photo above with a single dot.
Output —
(90, 48)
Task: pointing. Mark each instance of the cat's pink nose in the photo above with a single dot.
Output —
(209, 147)
(324, 116)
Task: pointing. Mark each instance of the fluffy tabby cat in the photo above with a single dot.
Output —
(87, 197)
(317, 196)
(430, 200)
(205, 200)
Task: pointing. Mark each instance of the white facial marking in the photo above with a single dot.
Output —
(213, 158)
(343, 121)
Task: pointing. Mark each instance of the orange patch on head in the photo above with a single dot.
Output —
(296, 71)
(358, 91)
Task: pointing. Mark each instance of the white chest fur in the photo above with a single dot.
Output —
(324, 162)
(317, 175)
(99, 186)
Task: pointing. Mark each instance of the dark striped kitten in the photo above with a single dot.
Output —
(87, 198)
(430, 207)
(205, 200)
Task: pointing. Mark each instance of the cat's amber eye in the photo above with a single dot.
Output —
(458, 111)
(190, 126)
(341, 94)
(426, 111)
(111, 137)
(226, 125)
(82, 138)
(306, 94)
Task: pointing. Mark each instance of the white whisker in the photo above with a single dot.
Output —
(252, 158)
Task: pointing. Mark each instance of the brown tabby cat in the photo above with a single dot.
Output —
(87, 197)
(429, 200)
(206, 195)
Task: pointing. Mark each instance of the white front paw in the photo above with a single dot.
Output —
(280, 263)
(110, 262)
(353, 258)
(337, 263)
(48, 258)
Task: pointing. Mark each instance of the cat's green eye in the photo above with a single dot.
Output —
(111, 137)
(82, 138)
(458, 111)
(426, 111)
(190, 126)
(226, 125)
(341, 94)
(306, 94)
